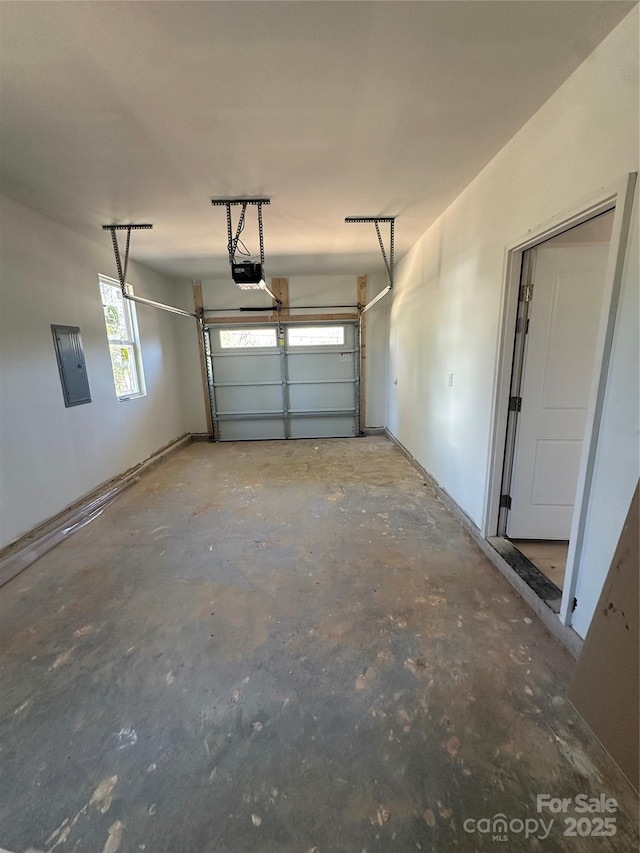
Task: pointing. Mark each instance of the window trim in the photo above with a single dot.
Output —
(131, 323)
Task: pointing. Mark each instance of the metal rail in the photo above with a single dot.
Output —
(123, 266)
(160, 305)
(271, 308)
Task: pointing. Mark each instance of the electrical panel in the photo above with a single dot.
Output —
(71, 365)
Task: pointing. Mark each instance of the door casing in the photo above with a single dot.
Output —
(619, 197)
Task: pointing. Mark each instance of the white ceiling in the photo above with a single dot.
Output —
(143, 111)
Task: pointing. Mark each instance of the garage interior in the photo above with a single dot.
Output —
(319, 503)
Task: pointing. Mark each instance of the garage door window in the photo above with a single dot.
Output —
(247, 338)
(320, 336)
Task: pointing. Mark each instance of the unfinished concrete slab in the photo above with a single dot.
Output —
(291, 647)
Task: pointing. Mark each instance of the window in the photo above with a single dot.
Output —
(245, 338)
(319, 336)
(124, 345)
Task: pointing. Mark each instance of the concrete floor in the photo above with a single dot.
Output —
(283, 646)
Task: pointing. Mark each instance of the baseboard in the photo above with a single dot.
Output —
(22, 553)
(374, 431)
(565, 635)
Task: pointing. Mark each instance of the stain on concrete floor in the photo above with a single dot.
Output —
(284, 647)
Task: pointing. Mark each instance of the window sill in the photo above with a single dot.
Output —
(131, 397)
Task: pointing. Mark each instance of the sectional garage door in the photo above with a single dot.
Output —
(299, 381)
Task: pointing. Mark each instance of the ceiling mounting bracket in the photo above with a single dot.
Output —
(232, 243)
(247, 275)
(387, 262)
(376, 221)
(122, 269)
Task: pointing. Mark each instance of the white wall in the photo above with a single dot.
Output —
(194, 404)
(377, 331)
(322, 290)
(447, 299)
(51, 456)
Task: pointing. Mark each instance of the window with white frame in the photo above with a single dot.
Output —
(124, 342)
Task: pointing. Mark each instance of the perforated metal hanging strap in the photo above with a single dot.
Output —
(232, 241)
(384, 254)
(229, 235)
(116, 252)
(388, 262)
(233, 248)
(261, 233)
(122, 268)
(126, 261)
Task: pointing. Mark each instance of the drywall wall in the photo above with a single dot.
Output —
(194, 403)
(309, 294)
(377, 332)
(617, 462)
(447, 302)
(51, 456)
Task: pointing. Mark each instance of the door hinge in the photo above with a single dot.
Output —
(505, 501)
(575, 604)
(515, 404)
(526, 293)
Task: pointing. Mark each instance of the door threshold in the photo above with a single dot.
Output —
(536, 580)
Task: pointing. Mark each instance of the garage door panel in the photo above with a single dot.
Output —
(339, 426)
(321, 396)
(249, 398)
(319, 365)
(251, 430)
(246, 368)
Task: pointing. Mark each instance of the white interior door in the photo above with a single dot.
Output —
(558, 369)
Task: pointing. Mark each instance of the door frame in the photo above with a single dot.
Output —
(516, 419)
(280, 324)
(620, 197)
